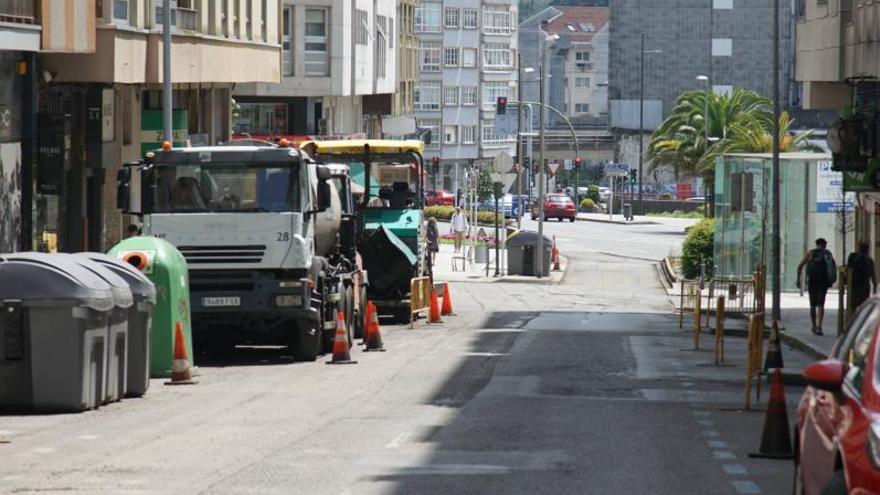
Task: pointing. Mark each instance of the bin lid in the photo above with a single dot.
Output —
(526, 238)
(142, 288)
(122, 296)
(39, 277)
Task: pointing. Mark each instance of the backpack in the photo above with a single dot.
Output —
(821, 269)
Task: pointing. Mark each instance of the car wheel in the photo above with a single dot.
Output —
(836, 485)
(571, 219)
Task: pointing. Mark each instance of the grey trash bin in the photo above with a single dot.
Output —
(628, 211)
(53, 334)
(139, 321)
(522, 250)
(117, 329)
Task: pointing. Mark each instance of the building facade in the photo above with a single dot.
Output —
(577, 63)
(467, 59)
(339, 71)
(96, 97)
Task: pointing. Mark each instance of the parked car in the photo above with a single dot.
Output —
(837, 440)
(604, 194)
(557, 206)
(505, 204)
(696, 199)
(439, 197)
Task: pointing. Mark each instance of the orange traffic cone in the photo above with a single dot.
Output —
(373, 336)
(181, 374)
(368, 317)
(435, 308)
(776, 440)
(555, 256)
(340, 343)
(447, 301)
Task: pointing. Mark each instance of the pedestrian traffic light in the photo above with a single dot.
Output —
(632, 176)
(435, 165)
(577, 162)
(501, 106)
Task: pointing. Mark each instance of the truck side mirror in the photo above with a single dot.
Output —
(123, 190)
(324, 193)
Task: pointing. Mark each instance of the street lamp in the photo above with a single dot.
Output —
(642, 116)
(549, 39)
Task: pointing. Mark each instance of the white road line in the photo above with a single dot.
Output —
(735, 469)
(398, 440)
(745, 486)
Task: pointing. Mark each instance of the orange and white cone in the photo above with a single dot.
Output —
(374, 334)
(340, 343)
(368, 317)
(181, 373)
(555, 256)
(447, 301)
(435, 308)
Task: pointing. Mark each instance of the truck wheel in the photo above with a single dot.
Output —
(306, 344)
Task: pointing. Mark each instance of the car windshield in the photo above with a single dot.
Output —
(558, 198)
(231, 187)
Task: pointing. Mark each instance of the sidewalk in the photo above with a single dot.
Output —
(477, 272)
(616, 219)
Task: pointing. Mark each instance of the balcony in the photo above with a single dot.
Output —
(17, 11)
(187, 19)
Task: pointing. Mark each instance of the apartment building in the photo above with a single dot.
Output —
(467, 59)
(407, 57)
(339, 71)
(577, 62)
(94, 88)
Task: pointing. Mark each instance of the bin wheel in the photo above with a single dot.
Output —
(306, 344)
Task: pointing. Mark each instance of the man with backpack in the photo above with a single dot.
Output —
(821, 275)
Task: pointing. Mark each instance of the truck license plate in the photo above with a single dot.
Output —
(214, 302)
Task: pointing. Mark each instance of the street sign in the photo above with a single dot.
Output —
(552, 167)
(569, 165)
(503, 169)
(617, 169)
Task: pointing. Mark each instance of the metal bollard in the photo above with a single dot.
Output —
(719, 331)
(697, 324)
(681, 308)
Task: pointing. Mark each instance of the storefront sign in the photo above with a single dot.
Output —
(829, 192)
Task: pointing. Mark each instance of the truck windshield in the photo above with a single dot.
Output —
(227, 188)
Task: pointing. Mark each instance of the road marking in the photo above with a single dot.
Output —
(42, 450)
(723, 454)
(398, 440)
(735, 469)
(705, 422)
(717, 444)
(745, 486)
(687, 384)
(456, 469)
(711, 433)
(699, 412)
(484, 354)
(88, 437)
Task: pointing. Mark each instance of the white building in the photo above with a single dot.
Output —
(339, 71)
(467, 59)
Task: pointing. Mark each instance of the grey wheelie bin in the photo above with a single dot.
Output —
(522, 250)
(117, 329)
(53, 334)
(139, 321)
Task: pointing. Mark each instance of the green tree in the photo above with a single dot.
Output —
(484, 183)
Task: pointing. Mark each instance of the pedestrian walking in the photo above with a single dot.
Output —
(432, 234)
(459, 227)
(861, 268)
(821, 275)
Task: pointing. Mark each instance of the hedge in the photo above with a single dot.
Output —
(698, 246)
(446, 212)
(588, 204)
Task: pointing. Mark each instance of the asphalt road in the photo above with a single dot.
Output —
(587, 387)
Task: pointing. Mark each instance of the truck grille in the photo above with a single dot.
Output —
(212, 281)
(222, 254)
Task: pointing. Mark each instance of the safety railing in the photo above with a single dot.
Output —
(420, 297)
(19, 11)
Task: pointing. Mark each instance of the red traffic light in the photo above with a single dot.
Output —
(578, 160)
(501, 105)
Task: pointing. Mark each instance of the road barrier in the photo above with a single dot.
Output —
(420, 297)
(691, 291)
(754, 350)
(697, 313)
(719, 331)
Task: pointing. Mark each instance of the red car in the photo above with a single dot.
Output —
(439, 197)
(556, 206)
(837, 442)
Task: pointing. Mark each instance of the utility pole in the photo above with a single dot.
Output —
(519, 141)
(540, 254)
(167, 125)
(641, 120)
(777, 249)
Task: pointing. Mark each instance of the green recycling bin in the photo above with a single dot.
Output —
(163, 264)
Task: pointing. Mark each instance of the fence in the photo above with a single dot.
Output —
(420, 297)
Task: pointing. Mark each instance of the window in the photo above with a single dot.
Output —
(800, 8)
(262, 118)
(582, 108)
(468, 134)
(287, 41)
(470, 20)
(450, 96)
(497, 56)
(722, 89)
(846, 16)
(469, 95)
(428, 18)
(316, 59)
(722, 47)
(496, 19)
(492, 90)
(361, 26)
(429, 56)
(582, 56)
(856, 346)
(381, 47)
(582, 82)
(433, 126)
(451, 17)
(492, 138)
(468, 57)
(426, 95)
(120, 11)
(821, 3)
(742, 192)
(450, 134)
(722, 4)
(450, 57)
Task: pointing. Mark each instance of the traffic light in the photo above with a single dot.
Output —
(632, 176)
(435, 165)
(577, 162)
(501, 106)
